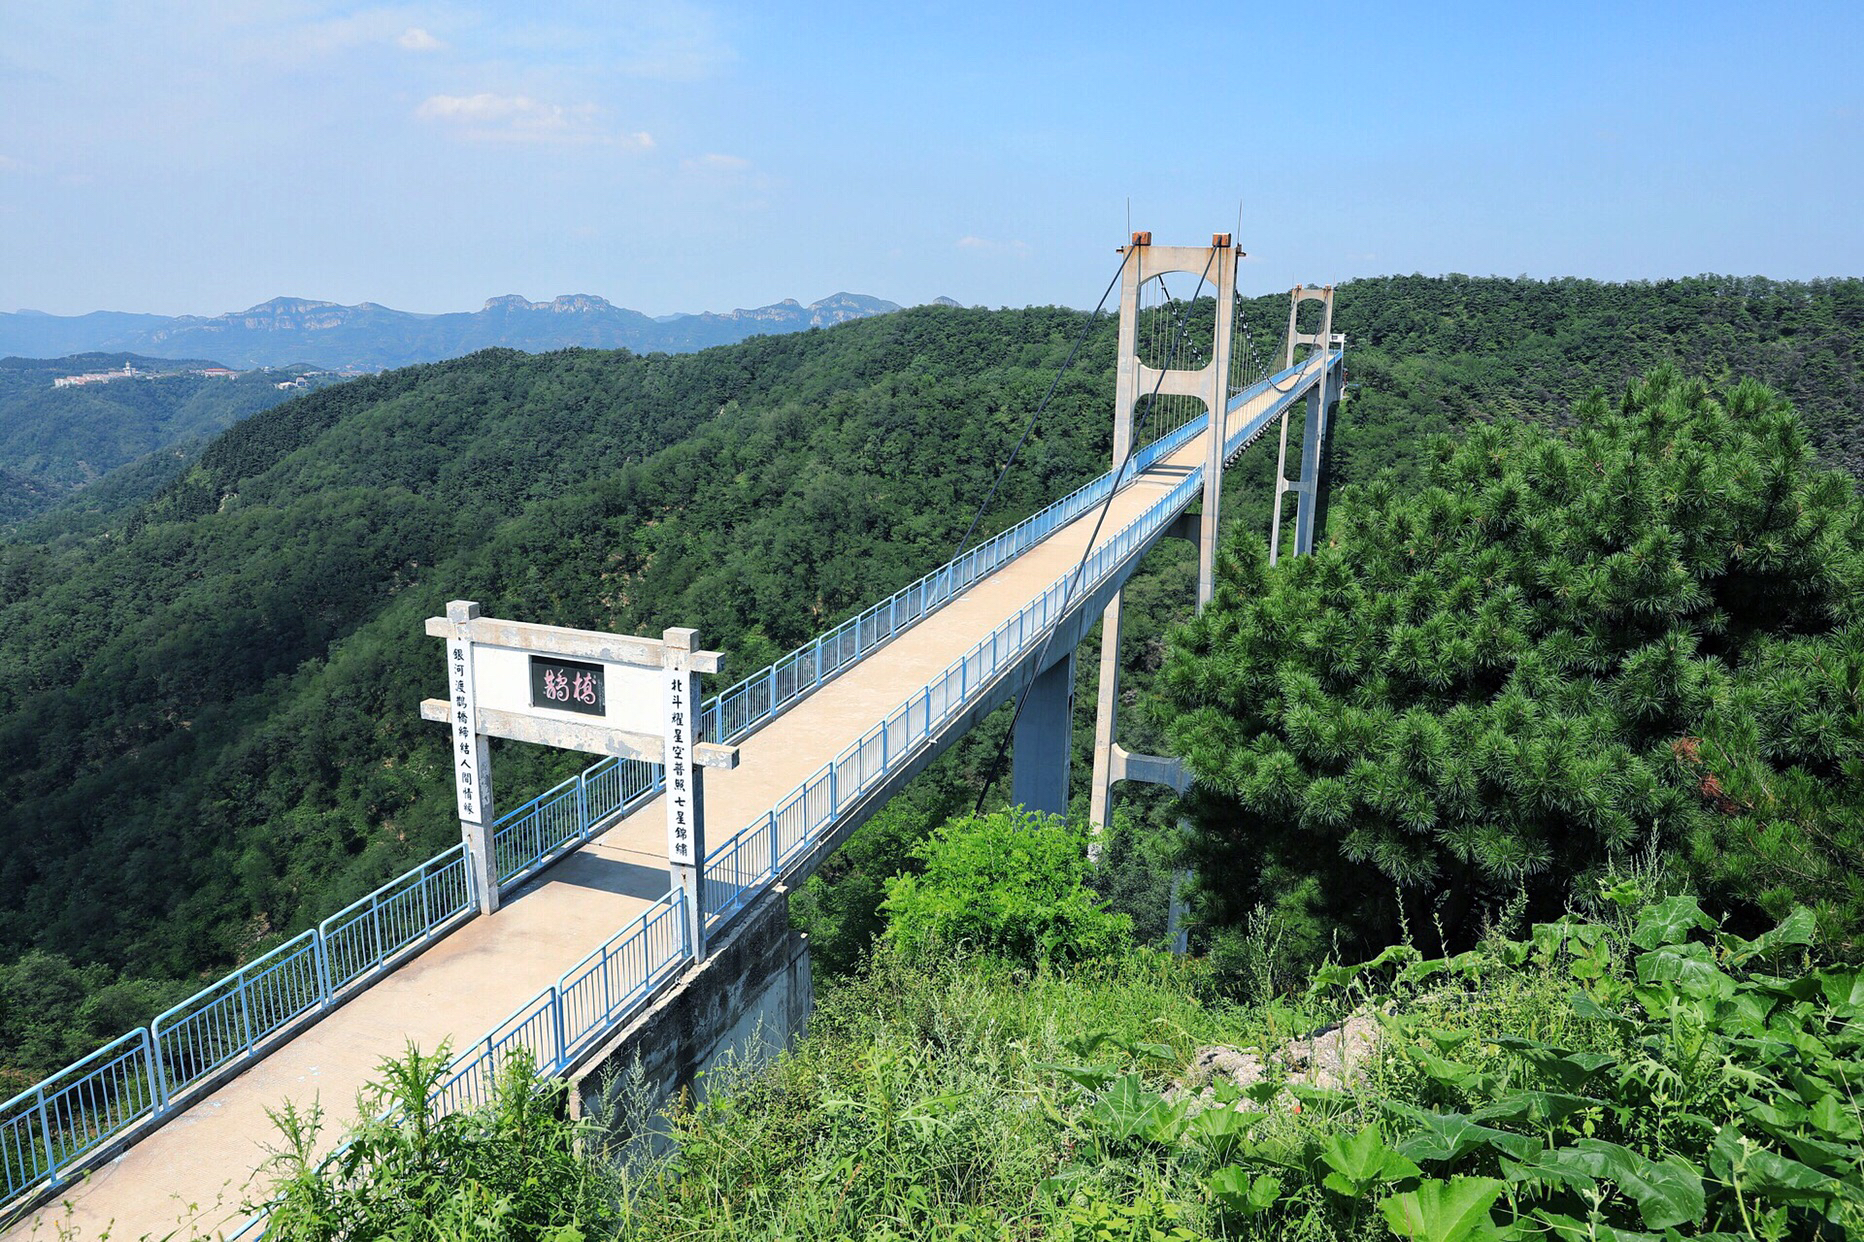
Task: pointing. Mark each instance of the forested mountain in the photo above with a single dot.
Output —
(287, 331)
(1437, 354)
(210, 707)
(55, 441)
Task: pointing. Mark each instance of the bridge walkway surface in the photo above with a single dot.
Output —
(196, 1171)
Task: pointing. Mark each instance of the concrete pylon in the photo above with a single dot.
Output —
(1135, 381)
(1041, 747)
(1320, 406)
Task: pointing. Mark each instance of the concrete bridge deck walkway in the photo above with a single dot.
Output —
(196, 1170)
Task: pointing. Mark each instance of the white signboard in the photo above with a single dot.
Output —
(619, 696)
(576, 689)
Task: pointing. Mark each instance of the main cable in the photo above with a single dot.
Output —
(1086, 329)
(1080, 569)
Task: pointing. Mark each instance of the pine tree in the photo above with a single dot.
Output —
(1476, 688)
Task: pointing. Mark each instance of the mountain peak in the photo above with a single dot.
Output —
(288, 306)
(369, 336)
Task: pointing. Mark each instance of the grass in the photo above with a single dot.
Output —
(1638, 1078)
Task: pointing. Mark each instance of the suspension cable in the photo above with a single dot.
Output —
(1080, 569)
(1055, 383)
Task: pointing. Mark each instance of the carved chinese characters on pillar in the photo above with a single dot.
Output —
(468, 780)
(679, 793)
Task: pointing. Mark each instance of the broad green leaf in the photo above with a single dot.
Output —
(1569, 1070)
(1585, 1006)
(1667, 1192)
(1361, 1162)
(1444, 1211)
(1127, 1110)
(1084, 1045)
(1669, 922)
(1093, 1077)
(1835, 1118)
(1736, 1158)
(1242, 1194)
(1333, 975)
(1407, 954)
(1417, 972)
(1220, 1131)
(1844, 990)
(1453, 1074)
(1535, 1108)
(1446, 1137)
(1689, 968)
(1566, 1229)
(1798, 928)
(1448, 1041)
(1319, 1099)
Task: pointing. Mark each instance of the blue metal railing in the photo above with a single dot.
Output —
(536, 834)
(591, 998)
(741, 866)
(232, 1017)
(738, 711)
(47, 1130)
(370, 935)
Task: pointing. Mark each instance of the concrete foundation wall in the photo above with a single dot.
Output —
(749, 1000)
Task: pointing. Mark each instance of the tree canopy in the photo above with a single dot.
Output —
(1488, 684)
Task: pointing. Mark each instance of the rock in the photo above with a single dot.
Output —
(1331, 1060)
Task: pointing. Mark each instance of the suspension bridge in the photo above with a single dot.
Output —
(563, 933)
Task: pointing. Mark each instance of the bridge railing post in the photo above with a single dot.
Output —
(327, 992)
(158, 1071)
(245, 1010)
(45, 1129)
(556, 1028)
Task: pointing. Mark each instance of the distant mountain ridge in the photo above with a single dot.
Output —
(369, 336)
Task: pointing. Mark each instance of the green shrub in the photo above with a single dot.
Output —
(512, 1169)
(1013, 884)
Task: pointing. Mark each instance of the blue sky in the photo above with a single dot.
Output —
(204, 156)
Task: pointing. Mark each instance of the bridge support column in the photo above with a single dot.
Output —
(1308, 493)
(1113, 762)
(1044, 739)
(1320, 406)
(1106, 719)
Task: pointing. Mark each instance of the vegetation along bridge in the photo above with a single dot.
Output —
(584, 939)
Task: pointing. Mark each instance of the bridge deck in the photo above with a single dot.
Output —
(196, 1168)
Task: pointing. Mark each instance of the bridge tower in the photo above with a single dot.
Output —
(1113, 762)
(1136, 381)
(1322, 402)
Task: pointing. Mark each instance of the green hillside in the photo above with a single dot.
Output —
(209, 705)
(58, 443)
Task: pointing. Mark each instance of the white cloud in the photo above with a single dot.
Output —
(9, 165)
(489, 117)
(415, 39)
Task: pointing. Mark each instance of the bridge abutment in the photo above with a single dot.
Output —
(749, 1000)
